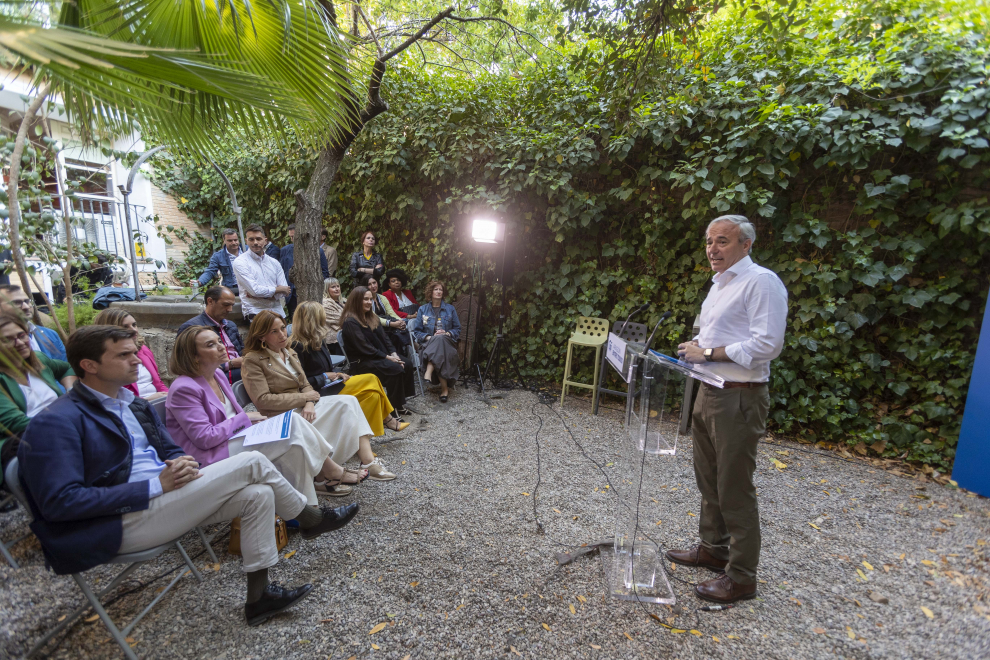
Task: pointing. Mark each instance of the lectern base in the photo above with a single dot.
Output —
(637, 577)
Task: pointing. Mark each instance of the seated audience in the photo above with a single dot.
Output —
(149, 384)
(402, 300)
(29, 381)
(394, 326)
(370, 350)
(220, 302)
(222, 261)
(366, 261)
(102, 477)
(14, 300)
(437, 331)
(276, 382)
(333, 306)
(203, 418)
(307, 342)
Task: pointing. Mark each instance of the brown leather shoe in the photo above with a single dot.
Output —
(697, 556)
(724, 589)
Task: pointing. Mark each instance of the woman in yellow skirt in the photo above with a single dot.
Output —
(309, 332)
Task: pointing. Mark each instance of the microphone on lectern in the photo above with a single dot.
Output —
(666, 315)
(632, 314)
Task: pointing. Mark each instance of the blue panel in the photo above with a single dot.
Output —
(972, 467)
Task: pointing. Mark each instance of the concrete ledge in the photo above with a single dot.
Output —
(168, 315)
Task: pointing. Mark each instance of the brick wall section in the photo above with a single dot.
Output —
(167, 209)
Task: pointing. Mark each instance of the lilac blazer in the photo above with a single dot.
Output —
(196, 419)
(148, 360)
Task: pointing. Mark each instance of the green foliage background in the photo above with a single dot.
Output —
(854, 136)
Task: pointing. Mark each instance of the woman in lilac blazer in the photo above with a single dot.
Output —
(204, 418)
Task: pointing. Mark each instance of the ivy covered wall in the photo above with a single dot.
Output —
(857, 143)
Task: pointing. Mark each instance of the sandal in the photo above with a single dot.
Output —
(362, 473)
(376, 470)
(443, 399)
(400, 425)
(333, 488)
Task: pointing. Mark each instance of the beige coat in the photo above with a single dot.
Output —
(270, 385)
(334, 310)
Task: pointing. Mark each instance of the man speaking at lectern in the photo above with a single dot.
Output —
(742, 329)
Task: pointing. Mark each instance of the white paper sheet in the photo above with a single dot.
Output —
(272, 429)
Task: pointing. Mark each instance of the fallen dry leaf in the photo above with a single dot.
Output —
(715, 639)
(288, 555)
(629, 636)
(815, 526)
(692, 515)
(778, 464)
(376, 647)
(818, 631)
(93, 618)
(377, 629)
(862, 574)
(928, 612)
(877, 598)
(927, 562)
(546, 626)
(868, 566)
(513, 649)
(596, 647)
(582, 599)
(696, 633)
(414, 584)
(573, 611)
(851, 634)
(526, 494)
(556, 510)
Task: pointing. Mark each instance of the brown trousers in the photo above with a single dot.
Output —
(727, 425)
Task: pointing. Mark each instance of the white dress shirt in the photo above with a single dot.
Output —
(257, 278)
(746, 312)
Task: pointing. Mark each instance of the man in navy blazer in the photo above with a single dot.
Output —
(221, 261)
(102, 477)
(287, 259)
(220, 302)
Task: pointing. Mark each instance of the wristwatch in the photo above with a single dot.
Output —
(709, 357)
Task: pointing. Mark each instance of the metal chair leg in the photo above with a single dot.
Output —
(185, 558)
(594, 390)
(107, 621)
(206, 544)
(567, 373)
(6, 555)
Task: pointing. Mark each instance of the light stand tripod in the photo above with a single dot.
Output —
(495, 357)
(469, 337)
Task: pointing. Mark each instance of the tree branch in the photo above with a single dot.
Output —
(371, 30)
(415, 37)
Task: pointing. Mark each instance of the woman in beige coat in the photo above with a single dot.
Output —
(333, 306)
(276, 382)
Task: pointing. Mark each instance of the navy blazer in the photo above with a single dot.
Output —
(229, 327)
(272, 250)
(75, 459)
(287, 258)
(222, 262)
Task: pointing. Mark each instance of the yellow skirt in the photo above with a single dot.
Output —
(368, 390)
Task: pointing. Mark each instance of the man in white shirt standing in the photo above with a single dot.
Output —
(743, 320)
(260, 279)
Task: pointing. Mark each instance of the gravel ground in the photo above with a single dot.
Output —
(449, 559)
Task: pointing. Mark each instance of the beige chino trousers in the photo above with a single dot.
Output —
(727, 426)
(246, 486)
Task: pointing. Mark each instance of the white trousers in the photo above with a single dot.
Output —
(299, 457)
(341, 421)
(247, 486)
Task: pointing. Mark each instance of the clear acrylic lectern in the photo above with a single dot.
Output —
(633, 567)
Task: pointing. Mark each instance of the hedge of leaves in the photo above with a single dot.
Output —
(856, 143)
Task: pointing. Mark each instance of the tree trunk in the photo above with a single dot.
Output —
(306, 272)
(12, 183)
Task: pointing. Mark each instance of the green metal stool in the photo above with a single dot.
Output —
(592, 332)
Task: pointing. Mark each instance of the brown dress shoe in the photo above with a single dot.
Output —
(724, 589)
(697, 556)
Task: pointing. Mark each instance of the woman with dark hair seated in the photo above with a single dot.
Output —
(395, 327)
(370, 350)
(308, 332)
(402, 300)
(275, 381)
(437, 331)
(203, 417)
(366, 261)
(29, 381)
